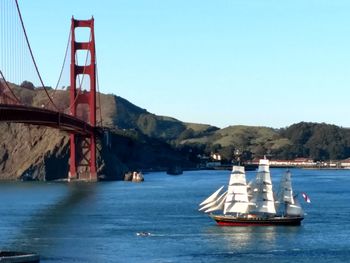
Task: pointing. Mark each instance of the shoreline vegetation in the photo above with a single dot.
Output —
(137, 140)
(253, 167)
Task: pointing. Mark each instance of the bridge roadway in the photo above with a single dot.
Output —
(44, 117)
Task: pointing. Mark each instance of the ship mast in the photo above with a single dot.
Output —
(237, 196)
(285, 194)
(287, 204)
(262, 194)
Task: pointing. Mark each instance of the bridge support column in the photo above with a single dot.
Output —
(83, 148)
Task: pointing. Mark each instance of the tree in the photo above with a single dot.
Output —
(27, 85)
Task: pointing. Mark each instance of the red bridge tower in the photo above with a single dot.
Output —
(83, 148)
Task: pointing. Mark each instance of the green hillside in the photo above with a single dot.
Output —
(143, 140)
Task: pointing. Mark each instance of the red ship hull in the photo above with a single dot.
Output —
(223, 220)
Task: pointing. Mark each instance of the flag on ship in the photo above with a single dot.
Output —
(306, 198)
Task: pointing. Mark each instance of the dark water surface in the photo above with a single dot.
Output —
(98, 222)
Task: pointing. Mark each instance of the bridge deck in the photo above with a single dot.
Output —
(44, 117)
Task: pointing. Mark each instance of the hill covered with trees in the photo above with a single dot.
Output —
(319, 141)
(143, 141)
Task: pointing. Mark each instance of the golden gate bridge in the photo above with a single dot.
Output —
(19, 72)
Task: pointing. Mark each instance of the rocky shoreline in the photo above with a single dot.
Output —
(42, 154)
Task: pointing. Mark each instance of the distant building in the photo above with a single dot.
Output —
(216, 156)
(298, 162)
(281, 163)
(345, 163)
(304, 162)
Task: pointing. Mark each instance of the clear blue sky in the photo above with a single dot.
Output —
(253, 62)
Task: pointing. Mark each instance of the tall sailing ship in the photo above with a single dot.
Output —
(254, 203)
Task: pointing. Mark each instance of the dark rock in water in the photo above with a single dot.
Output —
(20, 257)
(174, 170)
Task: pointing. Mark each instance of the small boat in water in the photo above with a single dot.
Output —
(134, 177)
(143, 234)
(254, 203)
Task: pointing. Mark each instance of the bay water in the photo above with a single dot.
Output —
(99, 222)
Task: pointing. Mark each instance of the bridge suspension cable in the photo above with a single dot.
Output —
(98, 94)
(11, 49)
(80, 79)
(63, 67)
(32, 56)
(16, 54)
(4, 82)
(18, 66)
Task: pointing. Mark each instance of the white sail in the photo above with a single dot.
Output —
(212, 197)
(250, 189)
(237, 195)
(213, 203)
(262, 193)
(287, 204)
(205, 207)
(219, 204)
(285, 193)
(294, 209)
